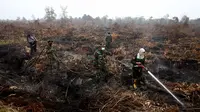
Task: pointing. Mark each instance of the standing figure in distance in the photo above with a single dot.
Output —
(108, 40)
(51, 55)
(99, 55)
(100, 63)
(32, 42)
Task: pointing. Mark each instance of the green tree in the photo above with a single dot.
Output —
(176, 20)
(33, 17)
(50, 14)
(64, 16)
(18, 19)
(64, 12)
(105, 19)
(185, 20)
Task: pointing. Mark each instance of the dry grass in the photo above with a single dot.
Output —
(187, 48)
(9, 108)
(108, 99)
(121, 100)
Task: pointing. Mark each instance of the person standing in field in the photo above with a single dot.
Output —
(33, 43)
(108, 40)
(137, 71)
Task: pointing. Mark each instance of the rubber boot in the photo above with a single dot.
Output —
(134, 84)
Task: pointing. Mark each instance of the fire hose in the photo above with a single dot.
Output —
(181, 103)
(184, 108)
(164, 87)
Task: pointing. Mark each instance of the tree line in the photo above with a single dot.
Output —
(50, 16)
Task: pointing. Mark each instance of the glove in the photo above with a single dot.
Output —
(141, 66)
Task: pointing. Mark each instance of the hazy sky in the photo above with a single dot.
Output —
(11, 9)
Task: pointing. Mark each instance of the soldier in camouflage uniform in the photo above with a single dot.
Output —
(99, 55)
(50, 51)
(138, 64)
(100, 62)
(108, 40)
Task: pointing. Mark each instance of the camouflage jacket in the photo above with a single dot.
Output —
(109, 38)
(99, 54)
(51, 52)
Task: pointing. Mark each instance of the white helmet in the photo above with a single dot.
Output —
(141, 53)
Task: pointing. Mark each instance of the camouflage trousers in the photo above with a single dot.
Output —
(101, 76)
(52, 63)
(108, 45)
(101, 73)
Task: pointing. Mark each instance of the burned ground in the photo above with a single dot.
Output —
(74, 87)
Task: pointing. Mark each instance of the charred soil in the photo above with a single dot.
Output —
(74, 85)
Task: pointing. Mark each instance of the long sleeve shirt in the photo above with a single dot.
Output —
(135, 60)
(31, 39)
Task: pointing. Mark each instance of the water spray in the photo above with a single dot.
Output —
(165, 88)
